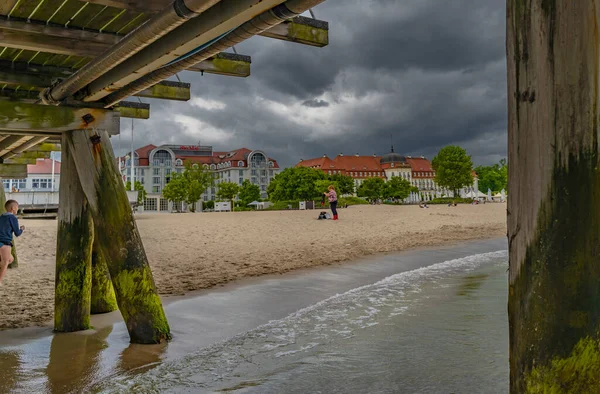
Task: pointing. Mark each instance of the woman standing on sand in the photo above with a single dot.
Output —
(332, 195)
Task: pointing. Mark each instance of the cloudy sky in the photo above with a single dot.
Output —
(425, 73)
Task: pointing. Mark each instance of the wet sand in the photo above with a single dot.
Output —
(189, 252)
(34, 360)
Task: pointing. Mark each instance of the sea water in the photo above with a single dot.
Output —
(436, 329)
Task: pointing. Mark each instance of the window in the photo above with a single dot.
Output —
(168, 172)
(241, 181)
(263, 180)
(271, 165)
(178, 162)
(164, 204)
(41, 184)
(6, 183)
(155, 162)
(150, 204)
(258, 160)
(270, 172)
(240, 163)
(155, 189)
(156, 180)
(241, 172)
(156, 171)
(213, 167)
(263, 173)
(263, 188)
(253, 180)
(20, 183)
(254, 172)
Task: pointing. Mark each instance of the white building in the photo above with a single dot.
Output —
(40, 178)
(154, 166)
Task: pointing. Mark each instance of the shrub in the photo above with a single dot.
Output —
(352, 201)
(208, 205)
(448, 200)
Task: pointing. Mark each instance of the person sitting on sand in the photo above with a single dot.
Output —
(332, 195)
(9, 225)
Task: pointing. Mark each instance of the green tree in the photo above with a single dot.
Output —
(453, 168)
(297, 183)
(228, 191)
(344, 184)
(398, 188)
(189, 185)
(248, 193)
(140, 188)
(371, 188)
(494, 177)
(177, 189)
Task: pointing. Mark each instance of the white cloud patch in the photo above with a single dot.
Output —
(207, 104)
(204, 132)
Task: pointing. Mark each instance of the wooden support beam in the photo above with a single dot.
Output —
(130, 273)
(128, 109)
(75, 238)
(103, 293)
(11, 142)
(60, 45)
(167, 90)
(13, 171)
(224, 63)
(301, 30)
(554, 183)
(22, 148)
(45, 119)
(146, 6)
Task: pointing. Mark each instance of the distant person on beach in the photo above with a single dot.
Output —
(9, 225)
(332, 196)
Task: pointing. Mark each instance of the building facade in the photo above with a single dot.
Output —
(40, 178)
(417, 170)
(155, 165)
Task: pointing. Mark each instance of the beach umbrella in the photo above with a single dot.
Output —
(489, 195)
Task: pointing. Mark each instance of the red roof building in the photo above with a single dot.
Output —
(417, 170)
(154, 166)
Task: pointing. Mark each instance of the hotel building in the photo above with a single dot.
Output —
(417, 170)
(155, 165)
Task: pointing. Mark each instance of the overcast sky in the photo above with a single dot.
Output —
(425, 73)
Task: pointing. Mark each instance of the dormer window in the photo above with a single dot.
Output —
(178, 162)
(240, 163)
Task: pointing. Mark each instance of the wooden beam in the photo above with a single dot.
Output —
(30, 118)
(146, 6)
(11, 142)
(59, 45)
(554, 183)
(23, 147)
(127, 109)
(6, 6)
(225, 63)
(301, 30)
(168, 90)
(126, 259)
(13, 171)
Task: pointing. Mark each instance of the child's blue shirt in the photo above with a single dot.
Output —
(9, 224)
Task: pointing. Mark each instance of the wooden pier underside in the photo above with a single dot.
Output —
(49, 46)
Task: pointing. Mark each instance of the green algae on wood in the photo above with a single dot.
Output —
(73, 253)
(554, 178)
(118, 237)
(103, 294)
(577, 373)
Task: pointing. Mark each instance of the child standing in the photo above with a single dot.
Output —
(332, 195)
(9, 225)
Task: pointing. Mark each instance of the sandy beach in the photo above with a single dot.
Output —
(195, 251)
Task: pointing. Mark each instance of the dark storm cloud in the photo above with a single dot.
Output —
(420, 74)
(315, 103)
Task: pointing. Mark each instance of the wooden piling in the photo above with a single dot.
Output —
(15, 263)
(103, 294)
(74, 251)
(118, 236)
(554, 182)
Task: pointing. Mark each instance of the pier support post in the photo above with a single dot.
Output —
(15, 263)
(118, 237)
(553, 207)
(74, 251)
(103, 294)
